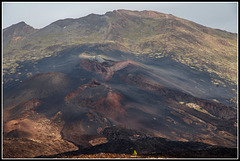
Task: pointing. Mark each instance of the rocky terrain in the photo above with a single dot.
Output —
(165, 87)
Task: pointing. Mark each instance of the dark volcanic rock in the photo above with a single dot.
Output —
(155, 147)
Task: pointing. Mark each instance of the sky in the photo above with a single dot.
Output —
(219, 15)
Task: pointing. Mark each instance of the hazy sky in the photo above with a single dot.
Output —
(220, 15)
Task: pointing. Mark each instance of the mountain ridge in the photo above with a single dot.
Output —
(16, 32)
(165, 36)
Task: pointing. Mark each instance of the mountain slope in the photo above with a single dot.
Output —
(80, 112)
(130, 77)
(139, 32)
(16, 32)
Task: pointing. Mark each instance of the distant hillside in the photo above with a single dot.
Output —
(16, 33)
(139, 32)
